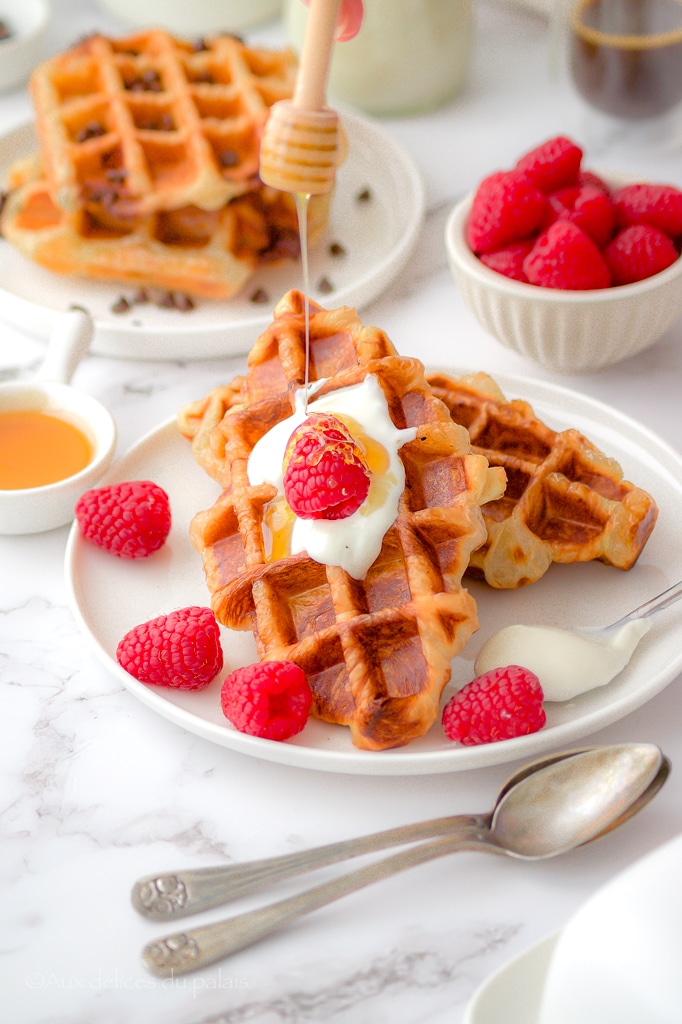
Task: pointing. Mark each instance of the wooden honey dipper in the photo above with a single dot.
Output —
(302, 143)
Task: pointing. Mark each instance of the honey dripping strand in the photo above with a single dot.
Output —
(302, 199)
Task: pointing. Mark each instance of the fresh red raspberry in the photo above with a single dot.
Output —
(130, 520)
(638, 252)
(564, 257)
(509, 261)
(325, 473)
(553, 165)
(657, 205)
(587, 206)
(590, 178)
(498, 705)
(181, 650)
(270, 699)
(506, 208)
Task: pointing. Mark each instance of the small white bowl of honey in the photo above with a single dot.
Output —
(56, 440)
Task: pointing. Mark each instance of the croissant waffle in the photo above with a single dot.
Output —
(210, 254)
(377, 652)
(565, 500)
(150, 122)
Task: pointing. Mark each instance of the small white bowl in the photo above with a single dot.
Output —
(37, 509)
(27, 20)
(564, 331)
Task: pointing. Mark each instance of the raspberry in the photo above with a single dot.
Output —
(657, 205)
(509, 261)
(498, 705)
(564, 257)
(590, 178)
(553, 165)
(270, 699)
(181, 650)
(130, 520)
(506, 208)
(638, 252)
(587, 206)
(325, 473)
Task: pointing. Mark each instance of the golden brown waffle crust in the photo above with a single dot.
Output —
(147, 170)
(377, 651)
(180, 122)
(566, 501)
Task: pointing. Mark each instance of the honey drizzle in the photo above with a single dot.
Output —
(302, 200)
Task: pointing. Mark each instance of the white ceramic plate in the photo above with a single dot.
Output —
(110, 597)
(602, 966)
(377, 237)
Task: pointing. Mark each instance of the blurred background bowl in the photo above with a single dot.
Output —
(27, 22)
(564, 331)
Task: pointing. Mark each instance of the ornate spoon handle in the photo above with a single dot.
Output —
(194, 948)
(172, 895)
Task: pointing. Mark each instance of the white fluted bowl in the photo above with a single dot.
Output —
(564, 331)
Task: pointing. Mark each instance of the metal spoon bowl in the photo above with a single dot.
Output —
(547, 808)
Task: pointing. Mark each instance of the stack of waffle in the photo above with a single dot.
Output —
(377, 651)
(490, 491)
(147, 170)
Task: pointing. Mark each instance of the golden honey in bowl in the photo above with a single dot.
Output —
(38, 448)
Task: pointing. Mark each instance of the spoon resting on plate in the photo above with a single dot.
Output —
(569, 662)
(547, 808)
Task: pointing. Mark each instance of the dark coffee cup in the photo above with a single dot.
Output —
(626, 55)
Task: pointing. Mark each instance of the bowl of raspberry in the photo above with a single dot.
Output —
(572, 269)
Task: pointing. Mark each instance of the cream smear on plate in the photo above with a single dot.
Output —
(353, 543)
(567, 662)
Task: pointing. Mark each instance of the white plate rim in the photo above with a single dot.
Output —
(178, 336)
(408, 760)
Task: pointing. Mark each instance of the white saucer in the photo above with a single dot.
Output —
(377, 235)
(615, 962)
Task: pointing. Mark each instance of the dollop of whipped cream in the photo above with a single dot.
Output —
(567, 662)
(355, 542)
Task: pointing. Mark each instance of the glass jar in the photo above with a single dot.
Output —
(409, 55)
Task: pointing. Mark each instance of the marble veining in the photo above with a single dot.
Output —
(97, 790)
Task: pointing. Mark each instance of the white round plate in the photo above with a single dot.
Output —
(111, 596)
(513, 994)
(599, 967)
(377, 236)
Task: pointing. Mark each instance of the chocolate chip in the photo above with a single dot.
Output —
(4, 31)
(92, 130)
(364, 196)
(228, 158)
(141, 296)
(336, 249)
(259, 296)
(325, 286)
(121, 305)
(148, 81)
(117, 175)
(183, 302)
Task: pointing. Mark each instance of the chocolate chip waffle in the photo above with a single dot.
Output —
(209, 254)
(377, 651)
(149, 122)
(565, 500)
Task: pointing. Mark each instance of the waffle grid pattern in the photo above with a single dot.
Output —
(377, 651)
(150, 122)
(565, 500)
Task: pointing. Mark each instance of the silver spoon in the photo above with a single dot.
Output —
(546, 809)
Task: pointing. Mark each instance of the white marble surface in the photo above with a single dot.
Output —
(96, 790)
